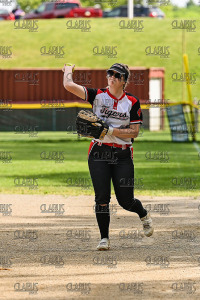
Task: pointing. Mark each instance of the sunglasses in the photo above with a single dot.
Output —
(110, 73)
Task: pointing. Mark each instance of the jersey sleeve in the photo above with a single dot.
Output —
(90, 94)
(136, 113)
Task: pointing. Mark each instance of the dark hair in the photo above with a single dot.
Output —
(129, 73)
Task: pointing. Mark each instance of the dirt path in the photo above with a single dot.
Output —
(55, 255)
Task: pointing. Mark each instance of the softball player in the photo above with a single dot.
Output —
(112, 157)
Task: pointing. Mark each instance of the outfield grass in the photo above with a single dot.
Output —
(78, 47)
(152, 177)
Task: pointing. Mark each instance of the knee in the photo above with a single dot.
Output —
(128, 204)
(101, 207)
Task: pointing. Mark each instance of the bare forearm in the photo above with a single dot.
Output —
(71, 86)
(125, 133)
(68, 81)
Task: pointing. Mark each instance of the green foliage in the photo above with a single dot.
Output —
(103, 4)
(191, 3)
(191, 12)
(28, 5)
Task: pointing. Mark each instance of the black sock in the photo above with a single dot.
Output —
(138, 208)
(103, 219)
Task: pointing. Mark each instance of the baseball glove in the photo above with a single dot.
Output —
(89, 125)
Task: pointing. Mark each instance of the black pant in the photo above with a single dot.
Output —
(106, 163)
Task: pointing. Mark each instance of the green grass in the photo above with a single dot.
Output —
(55, 178)
(78, 47)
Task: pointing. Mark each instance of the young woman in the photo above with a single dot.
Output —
(112, 157)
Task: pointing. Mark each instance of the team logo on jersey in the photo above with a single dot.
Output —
(113, 114)
(139, 112)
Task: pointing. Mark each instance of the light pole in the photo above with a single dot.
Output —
(130, 9)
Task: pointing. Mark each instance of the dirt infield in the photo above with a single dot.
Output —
(49, 252)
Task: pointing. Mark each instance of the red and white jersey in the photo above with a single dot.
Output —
(114, 112)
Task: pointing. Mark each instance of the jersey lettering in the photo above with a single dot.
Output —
(113, 114)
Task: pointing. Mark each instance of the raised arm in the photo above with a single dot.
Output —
(69, 85)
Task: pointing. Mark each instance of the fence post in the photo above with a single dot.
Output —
(54, 119)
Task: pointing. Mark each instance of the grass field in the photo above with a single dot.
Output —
(71, 176)
(78, 47)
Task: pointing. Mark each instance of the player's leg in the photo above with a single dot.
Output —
(123, 182)
(100, 173)
(103, 220)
